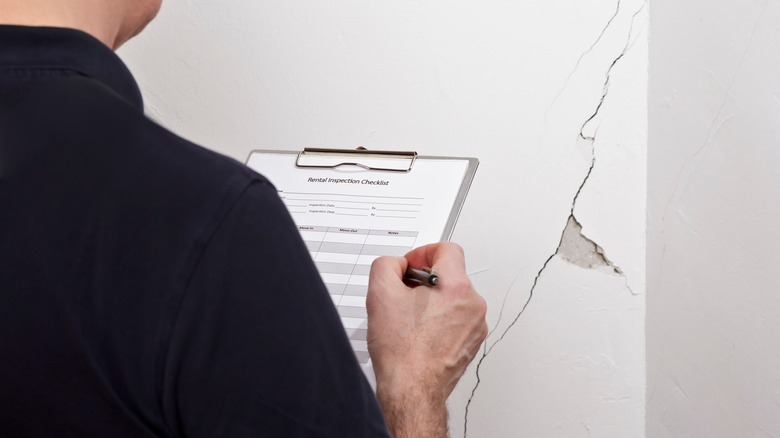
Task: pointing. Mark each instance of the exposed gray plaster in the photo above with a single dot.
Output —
(572, 225)
(578, 250)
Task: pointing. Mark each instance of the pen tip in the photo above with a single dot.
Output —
(434, 280)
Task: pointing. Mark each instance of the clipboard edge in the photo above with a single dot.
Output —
(460, 199)
(412, 156)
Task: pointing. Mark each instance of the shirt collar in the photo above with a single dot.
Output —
(57, 48)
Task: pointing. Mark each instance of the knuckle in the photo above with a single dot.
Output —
(370, 304)
(461, 284)
(454, 247)
(482, 306)
(459, 249)
(373, 302)
(381, 263)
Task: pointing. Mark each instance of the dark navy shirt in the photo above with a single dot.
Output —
(149, 287)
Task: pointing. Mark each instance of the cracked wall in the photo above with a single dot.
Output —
(550, 97)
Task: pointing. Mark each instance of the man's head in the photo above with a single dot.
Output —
(111, 21)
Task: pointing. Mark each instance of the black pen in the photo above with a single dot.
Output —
(417, 277)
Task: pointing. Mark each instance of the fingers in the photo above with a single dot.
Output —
(388, 270)
(385, 280)
(445, 258)
(442, 257)
(423, 338)
(448, 261)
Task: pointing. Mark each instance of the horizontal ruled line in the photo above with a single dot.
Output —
(406, 211)
(356, 196)
(358, 202)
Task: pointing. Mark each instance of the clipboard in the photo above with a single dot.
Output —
(368, 161)
(354, 205)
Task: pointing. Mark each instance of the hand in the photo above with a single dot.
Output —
(422, 339)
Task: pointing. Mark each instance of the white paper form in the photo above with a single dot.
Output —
(348, 217)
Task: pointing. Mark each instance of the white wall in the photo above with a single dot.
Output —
(713, 324)
(512, 83)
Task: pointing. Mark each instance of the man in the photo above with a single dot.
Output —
(149, 287)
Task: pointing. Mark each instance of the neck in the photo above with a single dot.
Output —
(91, 16)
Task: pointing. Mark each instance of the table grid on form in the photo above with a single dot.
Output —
(344, 256)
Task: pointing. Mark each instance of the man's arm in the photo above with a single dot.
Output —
(422, 339)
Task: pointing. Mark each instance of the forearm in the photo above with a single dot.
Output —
(421, 340)
(413, 413)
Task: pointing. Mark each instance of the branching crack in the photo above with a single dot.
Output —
(583, 54)
(605, 88)
(487, 349)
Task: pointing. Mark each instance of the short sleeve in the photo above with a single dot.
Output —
(257, 348)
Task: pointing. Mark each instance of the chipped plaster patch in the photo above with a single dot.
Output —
(579, 250)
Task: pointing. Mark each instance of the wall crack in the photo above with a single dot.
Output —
(582, 55)
(571, 237)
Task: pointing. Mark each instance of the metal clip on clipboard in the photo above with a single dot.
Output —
(324, 158)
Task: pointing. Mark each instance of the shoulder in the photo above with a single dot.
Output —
(136, 156)
(106, 153)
